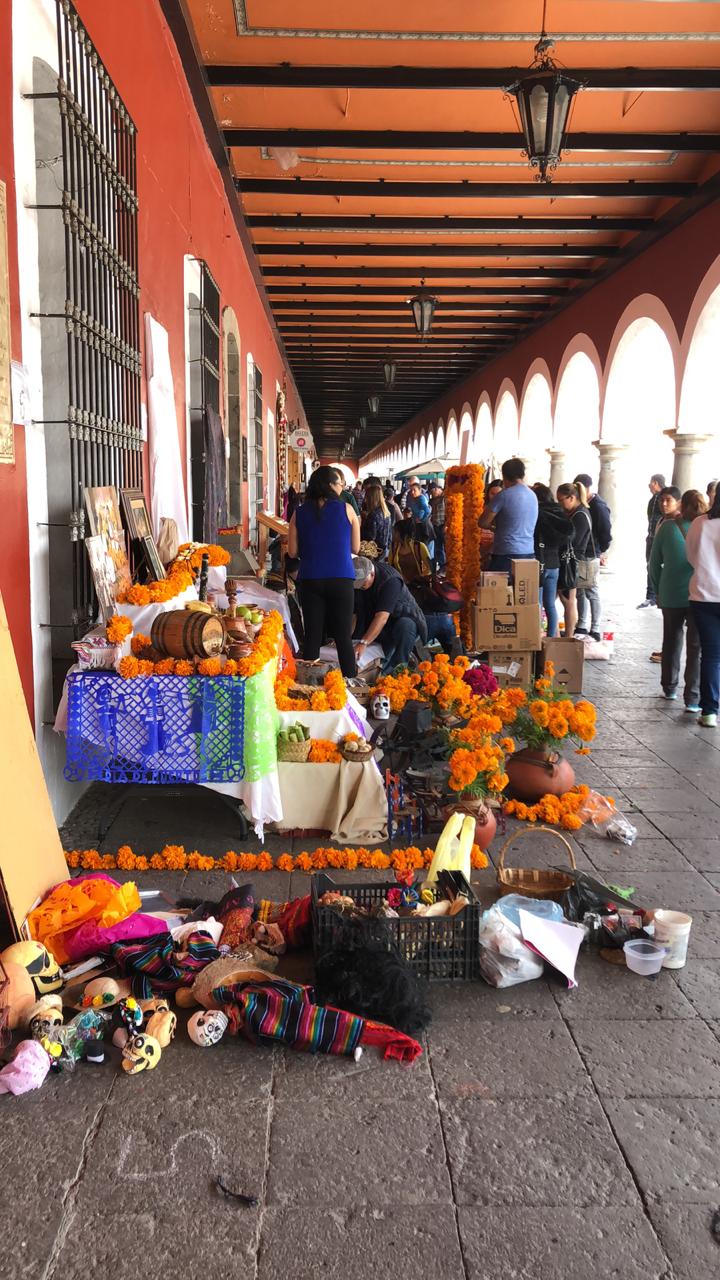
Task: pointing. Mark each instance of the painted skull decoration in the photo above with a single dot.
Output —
(207, 1027)
(162, 1026)
(380, 707)
(141, 1053)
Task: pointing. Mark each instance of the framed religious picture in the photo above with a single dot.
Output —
(102, 568)
(137, 520)
(104, 519)
(152, 558)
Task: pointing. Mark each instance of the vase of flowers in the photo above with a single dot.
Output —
(545, 723)
(477, 774)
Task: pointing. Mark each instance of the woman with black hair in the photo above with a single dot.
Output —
(573, 500)
(551, 534)
(702, 546)
(325, 534)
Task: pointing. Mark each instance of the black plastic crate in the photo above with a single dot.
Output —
(441, 949)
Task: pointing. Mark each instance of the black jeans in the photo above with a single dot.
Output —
(707, 620)
(672, 645)
(328, 605)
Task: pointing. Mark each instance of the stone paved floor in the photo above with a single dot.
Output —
(543, 1135)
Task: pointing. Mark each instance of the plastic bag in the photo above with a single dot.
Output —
(596, 809)
(621, 829)
(505, 961)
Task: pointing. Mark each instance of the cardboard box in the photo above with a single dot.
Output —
(493, 590)
(511, 628)
(513, 668)
(568, 659)
(526, 578)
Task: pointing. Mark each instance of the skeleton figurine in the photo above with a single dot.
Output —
(380, 707)
(141, 1053)
(207, 1027)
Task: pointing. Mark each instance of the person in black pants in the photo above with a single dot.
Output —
(325, 533)
(551, 533)
(387, 612)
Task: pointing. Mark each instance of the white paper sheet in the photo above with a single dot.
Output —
(556, 942)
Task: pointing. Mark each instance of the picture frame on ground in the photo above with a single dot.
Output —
(103, 510)
(103, 573)
(152, 558)
(137, 519)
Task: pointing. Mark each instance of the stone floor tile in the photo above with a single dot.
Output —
(455, 1004)
(606, 992)
(685, 1235)
(492, 1061)
(703, 855)
(612, 860)
(325, 1153)
(674, 890)
(703, 826)
(705, 936)
(351, 1244)
(671, 800)
(556, 1244)
(671, 1145)
(650, 1059)
(300, 1076)
(700, 982)
(557, 1153)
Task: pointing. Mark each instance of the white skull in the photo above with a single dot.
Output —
(380, 707)
(207, 1026)
(140, 1053)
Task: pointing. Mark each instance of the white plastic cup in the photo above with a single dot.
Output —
(672, 930)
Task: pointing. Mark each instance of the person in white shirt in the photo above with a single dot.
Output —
(702, 547)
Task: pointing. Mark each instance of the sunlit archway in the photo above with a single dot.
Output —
(506, 438)
(536, 427)
(577, 418)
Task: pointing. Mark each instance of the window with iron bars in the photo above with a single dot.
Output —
(203, 390)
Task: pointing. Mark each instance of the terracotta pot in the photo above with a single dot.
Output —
(534, 774)
(485, 820)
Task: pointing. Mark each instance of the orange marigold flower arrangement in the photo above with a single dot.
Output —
(322, 751)
(332, 696)
(174, 858)
(547, 719)
(118, 629)
(557, 811)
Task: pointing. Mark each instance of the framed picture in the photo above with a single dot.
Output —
(137, 520)
(104, 519)
(152, 558)
(102, 568)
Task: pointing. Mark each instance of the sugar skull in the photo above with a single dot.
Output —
(44, 1014)
(43, 969)
(207, 1026)
(380, 707)
(161, 1025)
(157, 1004)
(141, 1053)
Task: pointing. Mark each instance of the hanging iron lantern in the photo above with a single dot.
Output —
(363, 423)
(374, 405)
(423, 309)
(544, 98)
(389, 370)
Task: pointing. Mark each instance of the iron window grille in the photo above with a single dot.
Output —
(204, 388)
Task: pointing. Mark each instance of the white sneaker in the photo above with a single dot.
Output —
(708, 721)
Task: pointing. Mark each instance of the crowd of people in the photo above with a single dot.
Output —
(369, 566)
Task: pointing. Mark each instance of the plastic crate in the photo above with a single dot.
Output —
(439, 949)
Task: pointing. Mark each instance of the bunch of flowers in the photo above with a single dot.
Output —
(266, 646)
(264, 649)
(481, 680)
(399, 688)
(118, 629)
(557, 811)
(191, 553)
(477, 762)
(551, 716)
(506, 704)
(174, 858)
(332, 696)
(323, 751)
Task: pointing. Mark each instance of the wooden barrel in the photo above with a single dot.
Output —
(184, 633)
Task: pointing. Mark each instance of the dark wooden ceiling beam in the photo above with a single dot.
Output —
(462, 140)
(379, 190)
(448, 293)
(312, 306)
(591, 223)
(528, 272)
(286, 76)
(425, 250)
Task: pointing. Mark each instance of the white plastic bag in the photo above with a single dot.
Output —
(505, 961)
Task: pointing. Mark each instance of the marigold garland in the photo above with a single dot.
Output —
(332, 696)
(470, 480)
(265, 648)
(323, 751)
(174, 858)
(118, 629)
(191, 553)
(556, 811)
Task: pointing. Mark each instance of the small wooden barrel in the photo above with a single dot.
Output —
(183, 633)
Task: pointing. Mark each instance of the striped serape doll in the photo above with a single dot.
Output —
(155, 965)
(283, 1012)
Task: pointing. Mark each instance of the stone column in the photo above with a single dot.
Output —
(557, 468)
(609, 486)
(688, 447)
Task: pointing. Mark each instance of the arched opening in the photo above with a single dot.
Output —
(577, 420)
(483, 442)
(699, 412)
(452, 443)
(536, 428)
(466, 435)
(506, 441)
(430, 446)
(639, 409)
(440, 441)
(415, 452)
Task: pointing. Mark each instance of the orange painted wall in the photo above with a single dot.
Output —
(15, 558)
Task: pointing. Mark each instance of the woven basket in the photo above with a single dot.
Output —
(293, 752)
(534, 882)
(364, 752)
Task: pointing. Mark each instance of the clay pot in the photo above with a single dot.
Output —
(485, 820)
(534, 774)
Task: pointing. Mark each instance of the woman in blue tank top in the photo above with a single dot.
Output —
(325, 534)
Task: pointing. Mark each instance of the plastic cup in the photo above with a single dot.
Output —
(672, 930)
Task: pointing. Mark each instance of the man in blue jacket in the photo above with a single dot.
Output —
(602, 537)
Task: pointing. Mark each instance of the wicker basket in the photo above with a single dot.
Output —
(363, 752)
(534, 882)
(293, 752)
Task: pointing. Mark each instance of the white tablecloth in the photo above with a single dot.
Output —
(347, 800)
(142, 616)
(333, 725)
(251, 593)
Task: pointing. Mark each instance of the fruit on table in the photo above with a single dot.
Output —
(243, 611)
(198, 606)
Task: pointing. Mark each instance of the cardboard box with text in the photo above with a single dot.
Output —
(513, 627)
(568, 659)
(513, 669)
(526, 578)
